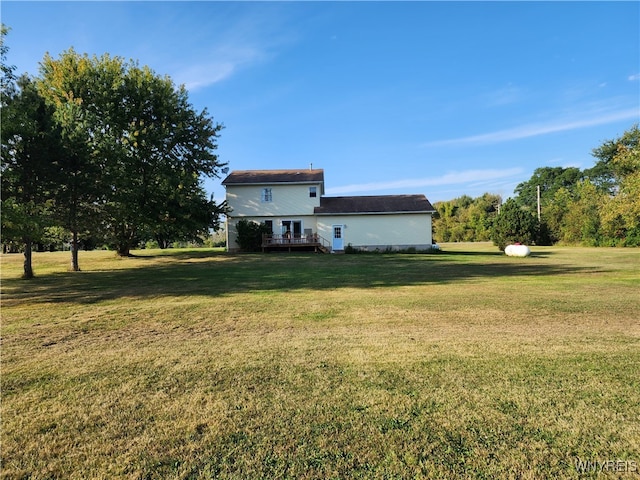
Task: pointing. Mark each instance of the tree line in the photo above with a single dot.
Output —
(99, 150)
(598, 206)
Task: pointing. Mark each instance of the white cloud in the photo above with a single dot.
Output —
(452, 178)
(223, 62)
(533, 130)
(227, 48)
(634, 77)
(198, 76)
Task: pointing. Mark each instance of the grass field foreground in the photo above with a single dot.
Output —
(201, 364)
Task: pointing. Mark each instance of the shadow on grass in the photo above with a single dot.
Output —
(465, 253)
(180, 254)
(216, 274)
(497, 253)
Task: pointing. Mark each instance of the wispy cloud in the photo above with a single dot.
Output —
(451, 178)
(635, 77)
(537, 129)
(249, 40)
(222, 64)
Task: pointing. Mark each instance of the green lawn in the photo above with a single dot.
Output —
(201, 364)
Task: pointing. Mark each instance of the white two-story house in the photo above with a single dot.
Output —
(293, 205)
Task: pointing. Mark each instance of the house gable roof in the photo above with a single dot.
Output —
(385, 204)
(266, 177)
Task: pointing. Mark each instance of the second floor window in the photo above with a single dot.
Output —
(266, 195)
(313, 192)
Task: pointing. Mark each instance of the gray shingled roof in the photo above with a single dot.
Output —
(257, 177)
(374, 204)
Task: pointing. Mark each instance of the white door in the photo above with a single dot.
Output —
(338, 240)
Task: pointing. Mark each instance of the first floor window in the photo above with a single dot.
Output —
(266, 195)
(269, 225)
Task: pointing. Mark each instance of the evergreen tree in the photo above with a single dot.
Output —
(514, 224)
(250, 235)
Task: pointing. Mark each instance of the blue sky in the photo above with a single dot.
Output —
(440, 98)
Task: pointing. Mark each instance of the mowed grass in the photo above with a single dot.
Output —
(202, 364)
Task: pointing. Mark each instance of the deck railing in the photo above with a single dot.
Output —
(301, 240)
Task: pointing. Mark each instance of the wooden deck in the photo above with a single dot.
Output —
(313, 243)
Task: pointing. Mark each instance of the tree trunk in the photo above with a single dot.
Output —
(162, 242)
(123, 249)
(74, 253)
(28, 266)
(124, 239)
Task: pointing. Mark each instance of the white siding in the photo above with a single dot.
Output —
(397, 231)
(287, 200)
(292, 202)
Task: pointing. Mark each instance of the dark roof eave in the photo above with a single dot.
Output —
(375, 213)
(277, 177)
(303, 182)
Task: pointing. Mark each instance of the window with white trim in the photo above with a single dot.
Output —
(313, 192)
(266, 195)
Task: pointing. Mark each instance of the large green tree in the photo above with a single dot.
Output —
(145, 148)
(555, 212)
(165, 149)
(30, 142)
(608, 171)
(549, 180)
(621, 214)
(72, 91)
(581, 222)
(7, 76)
(465, 219)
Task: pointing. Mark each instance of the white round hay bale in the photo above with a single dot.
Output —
(517, 251)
